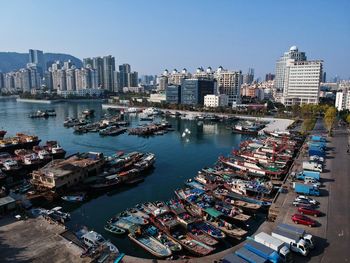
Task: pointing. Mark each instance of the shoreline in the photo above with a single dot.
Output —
(58, 100)
(274, 123)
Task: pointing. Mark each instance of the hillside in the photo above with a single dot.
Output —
(10, 61)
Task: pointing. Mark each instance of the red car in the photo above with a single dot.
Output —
(304, 220)
(309, 211)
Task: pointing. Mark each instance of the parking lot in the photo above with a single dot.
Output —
(332, 233)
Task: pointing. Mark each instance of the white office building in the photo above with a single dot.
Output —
(229, 83)
(302, 82)
(281, 63)
(213, 101)
(342, 98)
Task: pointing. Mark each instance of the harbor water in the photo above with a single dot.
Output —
(177, 158)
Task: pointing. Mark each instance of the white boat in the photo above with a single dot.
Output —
(94, 239)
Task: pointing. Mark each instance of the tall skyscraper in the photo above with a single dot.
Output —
(37, 57)
(108, 72)
(105, 67)
(2, 81)
(124, 71)
(294, 54)
(249, 77)
(70, 79)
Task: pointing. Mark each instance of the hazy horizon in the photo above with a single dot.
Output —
(154, 35)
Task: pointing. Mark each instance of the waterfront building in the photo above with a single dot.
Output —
(63, 174)
(281, 63)
(342, 98)
(176, 78)
(9, 81)
(162, 83)
(37, 57)
(173, 94)
(108, 72)
(214, 101)
(194, 90)
(229, 83)
(59, 80)
(204, 74)
(47, 80)
(70, 79)
(124, 71)
(157, 98)
(2, 81)
(82, 93)
(105, 67)
(302, 82)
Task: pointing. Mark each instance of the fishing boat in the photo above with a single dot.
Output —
(137, 212)
(2, 134)
(210, 230)
(109, 182)
(20, 141)
(163, 238)
(94, 239)
(216, 219)
(145, 162)
(226, 196)
(181, 214)
(192, 245)
(150, 244)
(133, 218)
(114, 229)
(121, 223)
(197, 234)
(57, 214)
(192, 183)
(74, 198)
(112, 131)
(11, 165)
(88, 112)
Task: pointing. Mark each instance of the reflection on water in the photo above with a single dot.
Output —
(177, 158)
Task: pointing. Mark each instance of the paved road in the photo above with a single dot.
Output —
(338, 227)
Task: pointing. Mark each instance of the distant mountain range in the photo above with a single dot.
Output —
(12, 61)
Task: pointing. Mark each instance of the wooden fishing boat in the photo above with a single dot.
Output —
(150, 244)
(137, 212)
(163, 238)
(133, 218)
(114, 229)
(200, 235)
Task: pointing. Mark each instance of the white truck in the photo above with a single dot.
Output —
(297, 231)
(275, 244)
(293, 242)
(312, 166)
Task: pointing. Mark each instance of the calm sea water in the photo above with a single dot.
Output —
(177, 158)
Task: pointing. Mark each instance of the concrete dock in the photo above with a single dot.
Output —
(35, 240)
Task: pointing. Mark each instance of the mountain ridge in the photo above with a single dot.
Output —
(12, 61)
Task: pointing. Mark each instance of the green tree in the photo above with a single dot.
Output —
(348, 118)
(329, 118)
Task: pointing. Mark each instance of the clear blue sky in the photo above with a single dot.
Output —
(153, 35)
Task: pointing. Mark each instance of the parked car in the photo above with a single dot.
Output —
(309, 211)
(305, 198)
(303, 203)
(304, 220)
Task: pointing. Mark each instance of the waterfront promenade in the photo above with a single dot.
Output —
(273, 123)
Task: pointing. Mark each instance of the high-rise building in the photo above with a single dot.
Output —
(47, 80)
(249, 77)
(203, 74)
(37, 57)
(2, 81)
(229, 83)
(124, 71)
(194, 90)
(59, 80)
(302, 82)
(70, 79)
(294, 54)
(269, 77)
(9, 81)
(108, 72)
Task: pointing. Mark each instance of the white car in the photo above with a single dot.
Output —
(305, 198)
(316, 158)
